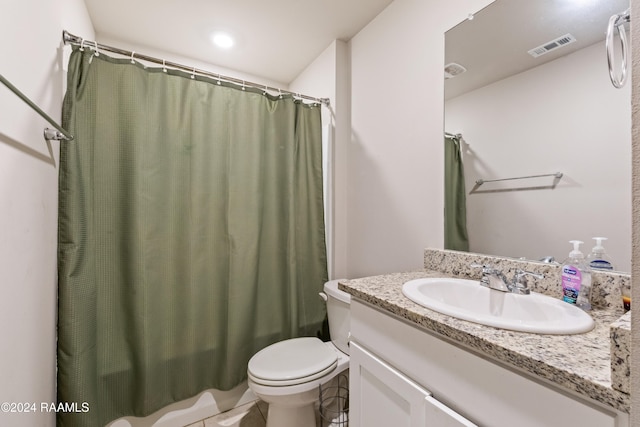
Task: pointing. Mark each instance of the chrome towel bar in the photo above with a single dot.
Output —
(557, 175)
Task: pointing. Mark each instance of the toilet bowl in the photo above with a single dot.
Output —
(288, 374)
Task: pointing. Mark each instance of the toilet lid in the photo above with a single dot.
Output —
(292, 361)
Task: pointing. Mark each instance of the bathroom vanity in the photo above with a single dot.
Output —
(413, 366)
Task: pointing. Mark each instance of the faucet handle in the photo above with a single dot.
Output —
(486, 268)
(521, 273)
(521, 288)
(484, 280)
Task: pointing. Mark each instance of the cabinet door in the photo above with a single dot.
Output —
(380, 396)
(439, 415)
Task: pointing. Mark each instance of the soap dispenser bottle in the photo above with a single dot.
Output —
(598, 258)
(576, 278)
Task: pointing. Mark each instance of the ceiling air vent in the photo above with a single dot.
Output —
(552, 45)
(451, 70)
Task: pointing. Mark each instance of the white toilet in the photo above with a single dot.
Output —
(287, 374)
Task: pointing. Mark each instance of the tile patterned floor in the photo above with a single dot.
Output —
(254, 414)
(250, 415)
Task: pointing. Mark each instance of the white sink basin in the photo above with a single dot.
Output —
(468, 300)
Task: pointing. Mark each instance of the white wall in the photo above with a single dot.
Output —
(396, 153)
(564, 116)
(30, 40)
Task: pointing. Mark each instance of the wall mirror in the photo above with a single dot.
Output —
(529, 91)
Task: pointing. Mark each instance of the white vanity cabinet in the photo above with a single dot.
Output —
(382, 396)
(403, 375)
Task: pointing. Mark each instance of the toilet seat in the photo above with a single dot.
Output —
(293, 361)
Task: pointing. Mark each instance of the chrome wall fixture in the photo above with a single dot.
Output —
(556, 175)
(57, 134)
(617, 22)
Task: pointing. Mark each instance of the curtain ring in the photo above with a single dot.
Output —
(280, 93)
(132, 60)
(96, 48)
(243, 85)
(265, 90)
(81, 45)
(164, 66)
(219, 80)
(193, 74)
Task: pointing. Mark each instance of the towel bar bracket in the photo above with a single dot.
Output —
(57, 134)
(54, 135)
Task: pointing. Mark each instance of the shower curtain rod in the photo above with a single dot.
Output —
(69, 38)
(59, 134)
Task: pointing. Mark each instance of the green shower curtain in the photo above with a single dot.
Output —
(191, 234)
(455, 198)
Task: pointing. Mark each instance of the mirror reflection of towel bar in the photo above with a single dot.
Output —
(557, 175)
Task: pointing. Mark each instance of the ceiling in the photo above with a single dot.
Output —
(275, 39)
(495, 43)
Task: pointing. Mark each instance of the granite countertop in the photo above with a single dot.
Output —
(580, 363)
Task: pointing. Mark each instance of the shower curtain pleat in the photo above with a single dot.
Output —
(455, 198)
(191, 235)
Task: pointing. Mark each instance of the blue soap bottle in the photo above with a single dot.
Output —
(576, 278)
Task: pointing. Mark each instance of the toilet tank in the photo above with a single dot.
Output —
(339, 315)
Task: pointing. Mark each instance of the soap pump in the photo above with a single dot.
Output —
(576, 278)
(598, 258)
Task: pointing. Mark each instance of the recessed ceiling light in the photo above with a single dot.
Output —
(222, 40)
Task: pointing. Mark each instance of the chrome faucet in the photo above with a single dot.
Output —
(495, 279)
